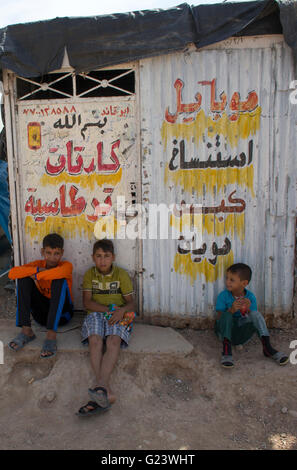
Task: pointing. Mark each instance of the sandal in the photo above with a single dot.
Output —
(85, 410)
(280, 357)
(20, 340)
(49, 345)
(99, 395)
(227, 361)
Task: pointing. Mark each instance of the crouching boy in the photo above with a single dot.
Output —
(238, 317)
(105, 285)
(43, 290)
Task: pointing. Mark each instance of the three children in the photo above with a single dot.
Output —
(44, 290)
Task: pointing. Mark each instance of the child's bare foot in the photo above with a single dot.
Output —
(111, 396)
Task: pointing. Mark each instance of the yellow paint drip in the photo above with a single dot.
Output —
(67, 227)
(85, 181)
(196, 180)
(184, 266)
(245, 126)
(187, 131)
(210, 224)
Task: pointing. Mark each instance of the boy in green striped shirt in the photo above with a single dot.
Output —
(105, 284)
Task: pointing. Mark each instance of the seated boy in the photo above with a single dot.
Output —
(238, 318)
(43, 289)
(105, 284)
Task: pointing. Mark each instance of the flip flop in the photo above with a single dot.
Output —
(99, 395)
(280, 357)
(20, 340)
(227, 361)
(85, 412)
(49, 345)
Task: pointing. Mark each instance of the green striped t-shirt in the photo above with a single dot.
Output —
(109, 288)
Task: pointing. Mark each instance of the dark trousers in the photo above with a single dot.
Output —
(53, 312)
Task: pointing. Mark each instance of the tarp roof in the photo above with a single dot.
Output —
(34, 49)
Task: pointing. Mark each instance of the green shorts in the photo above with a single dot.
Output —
(238, 330)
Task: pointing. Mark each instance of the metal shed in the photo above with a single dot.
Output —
(185, 154)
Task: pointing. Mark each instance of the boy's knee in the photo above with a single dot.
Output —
(58, 283)
(95, 340)
(255, 314)
(226, 317)
(113, 341)
(24, 281)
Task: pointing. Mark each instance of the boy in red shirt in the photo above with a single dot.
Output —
(43, 289)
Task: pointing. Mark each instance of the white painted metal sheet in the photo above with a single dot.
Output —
(75, 157)
(218, 131)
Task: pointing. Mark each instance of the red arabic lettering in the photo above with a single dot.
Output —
(55, 169)
(47, 111)
(77, 206)
(76, 169)
(90, 168)
(36, 208)
(114, 110)
(241, 106)
(108, 167)
(216, 107)
(100, 209)
(182, 108)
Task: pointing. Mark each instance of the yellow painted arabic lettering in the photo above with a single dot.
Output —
(85, 181)
(184, 265)
(246, 125)
(196, 180)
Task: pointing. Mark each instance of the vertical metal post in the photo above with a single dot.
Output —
(12, 169)
(139, 191)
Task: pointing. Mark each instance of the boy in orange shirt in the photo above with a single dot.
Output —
(43, 289)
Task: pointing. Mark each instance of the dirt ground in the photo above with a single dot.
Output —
(164, 403)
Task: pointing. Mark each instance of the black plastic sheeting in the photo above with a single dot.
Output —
(34, 49)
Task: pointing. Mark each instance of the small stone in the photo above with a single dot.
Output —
(293, 413)
(283, 435)
(239, 347)
(50, 396)
(284, 410)
(271, 401)
(171, 436)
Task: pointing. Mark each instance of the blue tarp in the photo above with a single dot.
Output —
(4, 200)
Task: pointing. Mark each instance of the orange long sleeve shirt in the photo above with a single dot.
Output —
(43, 279)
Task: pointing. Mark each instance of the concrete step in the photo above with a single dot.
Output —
(145, 339)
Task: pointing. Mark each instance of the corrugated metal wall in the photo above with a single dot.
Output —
(240, 115)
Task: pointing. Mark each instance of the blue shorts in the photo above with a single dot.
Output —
(96, 324)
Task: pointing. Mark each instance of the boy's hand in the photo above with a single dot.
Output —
(245, 306)
(33, 275)
(117, 315)
(246, 302)
(235, 306)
